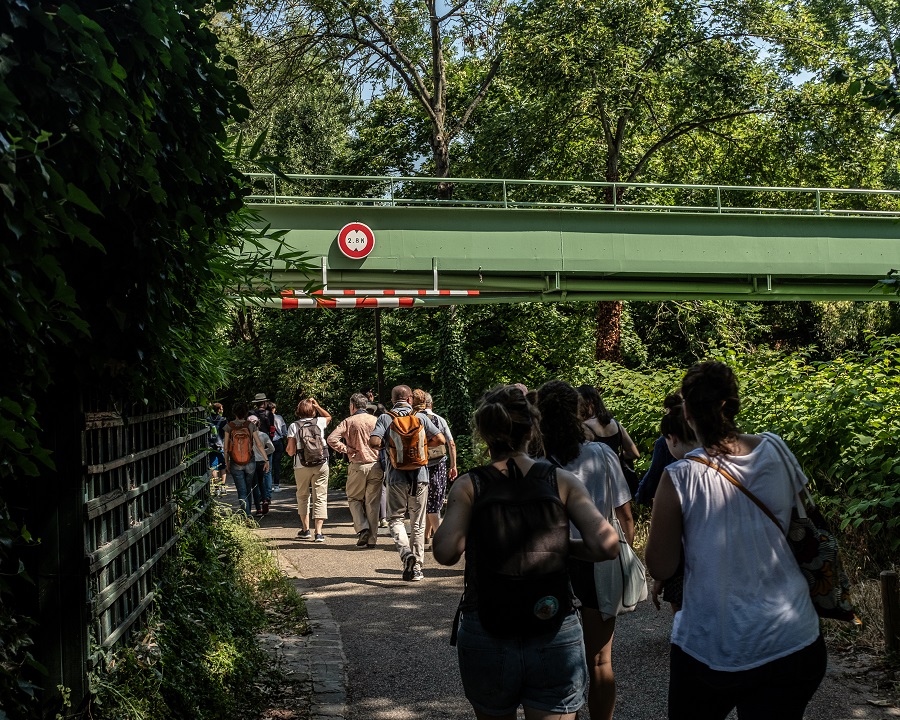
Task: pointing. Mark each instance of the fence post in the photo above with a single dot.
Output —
(890, 601)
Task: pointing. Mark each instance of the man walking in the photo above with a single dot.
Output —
(406, 442)
(364, 473)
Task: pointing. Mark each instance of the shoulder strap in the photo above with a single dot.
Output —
(734, 481)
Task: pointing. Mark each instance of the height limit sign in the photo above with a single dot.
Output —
(356, 240)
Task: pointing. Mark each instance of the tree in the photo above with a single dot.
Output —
(405, 46)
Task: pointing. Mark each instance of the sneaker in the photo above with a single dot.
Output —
(320, 537)
(417, 575)
(276, 488)
(363, 538)
(409, 567)
(383, 522)
(265, 507)
(304, 535)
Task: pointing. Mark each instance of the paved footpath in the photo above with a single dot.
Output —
(380, 650)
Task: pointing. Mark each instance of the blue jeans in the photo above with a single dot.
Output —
(545, 672)
(243, 480)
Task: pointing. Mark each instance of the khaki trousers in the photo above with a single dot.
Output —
(313, 478)
(364, 482)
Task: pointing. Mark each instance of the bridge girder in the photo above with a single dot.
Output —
(564, 255)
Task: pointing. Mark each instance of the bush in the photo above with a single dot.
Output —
(200, 658)
(840, 417)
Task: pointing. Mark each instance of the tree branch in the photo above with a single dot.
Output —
(682, 129)
(479, 96)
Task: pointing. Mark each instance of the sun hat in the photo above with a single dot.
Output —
(260, 397)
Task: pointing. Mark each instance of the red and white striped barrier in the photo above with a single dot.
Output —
(382, 293)
(290, 303)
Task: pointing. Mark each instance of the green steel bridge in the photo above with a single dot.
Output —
(501, 241)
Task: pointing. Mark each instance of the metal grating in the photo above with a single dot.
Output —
(133, 467)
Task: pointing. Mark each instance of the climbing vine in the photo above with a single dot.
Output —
(123, 214)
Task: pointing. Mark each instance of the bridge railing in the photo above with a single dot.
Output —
(385, 190)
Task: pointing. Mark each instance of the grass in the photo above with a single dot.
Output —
(198, 657)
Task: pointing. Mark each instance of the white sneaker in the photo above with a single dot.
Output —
(276, 488)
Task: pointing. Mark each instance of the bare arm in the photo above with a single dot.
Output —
(599, 540)
(623, 515)
(664, 546)
(450, 539)
(629, 449)
(291, 447)
(453, 471)
(322, 411)
(375, 442)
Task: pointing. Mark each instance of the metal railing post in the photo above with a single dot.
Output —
(615, 198)
(275, 188)
(393, 202)
(505, 203)
(818, 201)
(718, 199)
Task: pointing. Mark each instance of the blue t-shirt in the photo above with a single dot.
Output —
(381, 429)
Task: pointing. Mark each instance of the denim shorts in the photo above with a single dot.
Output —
(544, 672)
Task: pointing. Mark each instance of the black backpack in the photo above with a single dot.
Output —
(517, 551)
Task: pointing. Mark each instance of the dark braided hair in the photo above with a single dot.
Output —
(710, 392)
(561, 429)
(596, 408)
(504, 419)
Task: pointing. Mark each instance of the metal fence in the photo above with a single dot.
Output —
(134, 467)
(386, 190)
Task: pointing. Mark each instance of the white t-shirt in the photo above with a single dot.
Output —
(294, 431)
(746, 602)
(597, 466)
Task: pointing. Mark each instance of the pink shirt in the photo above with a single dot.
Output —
(351, 436)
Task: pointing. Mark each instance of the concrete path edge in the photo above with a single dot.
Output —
(316, 662)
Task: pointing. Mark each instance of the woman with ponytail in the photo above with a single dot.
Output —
(597, 467)
(747, 636)
(519, 637)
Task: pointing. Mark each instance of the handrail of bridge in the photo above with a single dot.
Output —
(390, 190)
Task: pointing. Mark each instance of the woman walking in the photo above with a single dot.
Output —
(306, 444)
(747, 636)
(597, 468)
(511, 518)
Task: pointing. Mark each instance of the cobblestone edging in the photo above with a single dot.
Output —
(314, 664)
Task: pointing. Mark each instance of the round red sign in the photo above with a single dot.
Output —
(356, 240)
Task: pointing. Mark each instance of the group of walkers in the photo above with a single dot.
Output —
(745, 633)
(553, 503)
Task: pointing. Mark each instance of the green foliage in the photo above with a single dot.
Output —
(840, 417)
(123, 212)
(199, 657)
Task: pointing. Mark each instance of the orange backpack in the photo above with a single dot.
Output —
(240, 446)
(407, 446)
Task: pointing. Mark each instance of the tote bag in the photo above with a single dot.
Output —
(620, 583)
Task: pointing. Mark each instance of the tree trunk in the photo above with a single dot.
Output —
(609, 330)
(441, 153)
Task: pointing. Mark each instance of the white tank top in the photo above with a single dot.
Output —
(746, 602)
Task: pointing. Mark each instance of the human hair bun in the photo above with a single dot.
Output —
(504, 419)
(710, 392)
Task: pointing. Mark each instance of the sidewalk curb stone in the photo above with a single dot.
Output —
(316, 661)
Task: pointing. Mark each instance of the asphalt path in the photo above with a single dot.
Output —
(396, 634)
